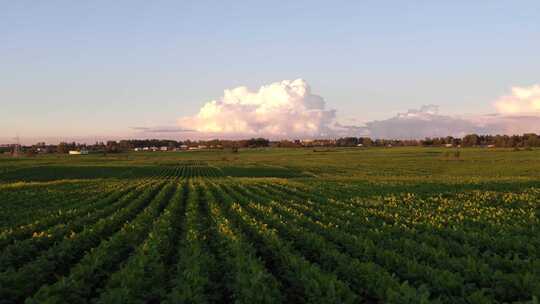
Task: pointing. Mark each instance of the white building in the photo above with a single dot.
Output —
(75, 152)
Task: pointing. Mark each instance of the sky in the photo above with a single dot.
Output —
(74, 70)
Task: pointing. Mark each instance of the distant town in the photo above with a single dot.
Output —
(159, 145)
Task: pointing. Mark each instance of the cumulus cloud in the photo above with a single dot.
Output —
(522, 100)
(427, 122)
(507, 124)
(288, 109)
(281, 109)
(420, 123)
(517, 113)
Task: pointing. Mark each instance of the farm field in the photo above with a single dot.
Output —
(376, 225)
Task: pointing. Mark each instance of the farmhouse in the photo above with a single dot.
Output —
(77, 152)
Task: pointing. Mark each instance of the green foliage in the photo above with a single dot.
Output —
(403, 225)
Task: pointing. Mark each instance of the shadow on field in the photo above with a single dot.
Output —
(49, 173)
(58, 172)
(261, 171)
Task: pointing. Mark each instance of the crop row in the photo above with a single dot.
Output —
(172, 239)
(369, 239)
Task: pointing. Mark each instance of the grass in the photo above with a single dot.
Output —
(414, 164)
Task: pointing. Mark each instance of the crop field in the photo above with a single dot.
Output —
(376, 225)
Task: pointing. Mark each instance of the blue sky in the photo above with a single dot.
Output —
(97, 68)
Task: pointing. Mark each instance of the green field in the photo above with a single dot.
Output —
(376, 225)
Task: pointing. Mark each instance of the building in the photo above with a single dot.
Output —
(76, 152)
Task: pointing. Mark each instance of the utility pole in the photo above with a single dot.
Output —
(17, 147)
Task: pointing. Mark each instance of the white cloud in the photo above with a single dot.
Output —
(420, 123)
(279, 110)
(288, 109)
(427, 122)
(518, 113)
(522, 100)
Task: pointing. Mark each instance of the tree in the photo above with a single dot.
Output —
(62, 148)
(531, 140)
(365, 141)
(470, 140)
(347, 142)
(112, 147)
(258, 142)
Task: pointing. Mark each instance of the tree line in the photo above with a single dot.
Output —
(472, 140)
